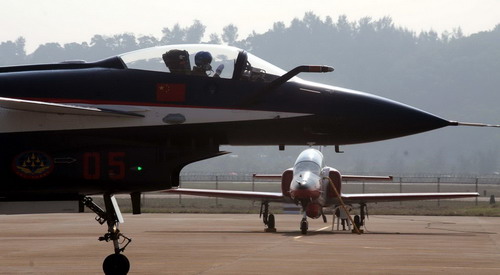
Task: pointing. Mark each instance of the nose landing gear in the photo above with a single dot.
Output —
(304, 226)
(114, 264)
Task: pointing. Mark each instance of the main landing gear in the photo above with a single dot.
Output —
(267, 218)
(359, 220)
(114, 264)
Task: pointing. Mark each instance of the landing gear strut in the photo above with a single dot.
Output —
(115, 263)
(267, 218)
(363, 213)
(359, 220)
(304, 226)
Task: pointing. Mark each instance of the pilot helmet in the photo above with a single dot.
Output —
(203, 60)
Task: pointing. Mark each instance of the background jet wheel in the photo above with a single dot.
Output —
(270, 221)
(357, 221)
(303, 227)
(116, 264)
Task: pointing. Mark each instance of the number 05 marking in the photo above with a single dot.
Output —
(92, 165)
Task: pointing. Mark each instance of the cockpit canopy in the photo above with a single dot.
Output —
(309, 160)
(227, 62)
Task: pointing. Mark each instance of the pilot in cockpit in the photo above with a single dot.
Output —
(202, 60)
(177, 61)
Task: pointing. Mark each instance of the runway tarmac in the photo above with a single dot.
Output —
(237, 244)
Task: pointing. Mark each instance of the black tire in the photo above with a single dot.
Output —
(270, 221)
(116, 264)
(357, 221)
(303, 227)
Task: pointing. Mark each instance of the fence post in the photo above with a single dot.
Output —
(400, 188)
(439, 189)
(216, 188)
(477, 188)
(180, 196)
(253, 187)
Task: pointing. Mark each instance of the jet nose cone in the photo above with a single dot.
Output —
(302, 184)
(397, 117)
(362, 117)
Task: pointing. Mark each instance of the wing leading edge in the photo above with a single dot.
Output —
(348, 198)
(57, 108)
(231, 194)
(390, 197)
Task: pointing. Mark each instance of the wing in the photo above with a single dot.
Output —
(366, 178)
(231, 194)
(58, 108)
(277, 177)
(389, 197)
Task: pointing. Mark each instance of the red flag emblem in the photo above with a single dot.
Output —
(171, 92)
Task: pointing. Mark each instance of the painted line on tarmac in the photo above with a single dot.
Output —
(321, 229)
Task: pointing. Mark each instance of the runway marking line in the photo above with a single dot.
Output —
(321, 229)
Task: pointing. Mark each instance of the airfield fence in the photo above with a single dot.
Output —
(487, 186)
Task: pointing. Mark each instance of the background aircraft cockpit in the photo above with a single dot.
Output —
(309, 160)
(227, 62)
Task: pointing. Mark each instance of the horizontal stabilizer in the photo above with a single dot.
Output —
(58, 108)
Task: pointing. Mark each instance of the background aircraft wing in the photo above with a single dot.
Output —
(366, 178)
(231, 194)
(277, 177)
(389, 197)
(58, 108)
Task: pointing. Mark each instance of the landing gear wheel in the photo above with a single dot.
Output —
(358, 224)
(270, 221)
(267, 218)
(303, 227)
(116, 264)
(270, 224)
(357, 221)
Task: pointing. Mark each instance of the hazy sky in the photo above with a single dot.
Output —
(78, 20)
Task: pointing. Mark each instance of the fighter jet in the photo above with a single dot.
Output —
(130, 123)
(314, 186)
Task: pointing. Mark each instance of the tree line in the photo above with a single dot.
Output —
(100, 46)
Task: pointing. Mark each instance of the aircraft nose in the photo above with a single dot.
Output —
(299, 181)
(357, 117)
(304, 189)
(302, 184)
